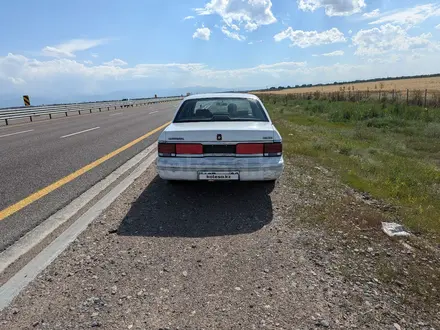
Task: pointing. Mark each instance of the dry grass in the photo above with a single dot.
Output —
(431, 84)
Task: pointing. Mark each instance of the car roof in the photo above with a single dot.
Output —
(221, 95)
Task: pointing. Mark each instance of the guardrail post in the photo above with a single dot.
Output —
(90, 110)
(50, 116)
(6, 121)
(30, 117)
(108, 108)
(99, 109)
(66, 113)
(79, 112)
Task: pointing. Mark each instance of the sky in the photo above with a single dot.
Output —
(61, 48)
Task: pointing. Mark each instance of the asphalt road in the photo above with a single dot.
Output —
(35, 155)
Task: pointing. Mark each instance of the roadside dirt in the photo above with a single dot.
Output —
(305, 254)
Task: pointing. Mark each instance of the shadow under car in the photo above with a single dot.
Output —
(199, 209)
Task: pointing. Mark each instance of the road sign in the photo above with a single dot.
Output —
(26, 100)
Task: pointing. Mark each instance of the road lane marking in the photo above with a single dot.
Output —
(153, 112)
(45, 191)
(86, 130)
(10, 134)
(39, 233)
(10, 289)
(116, 114)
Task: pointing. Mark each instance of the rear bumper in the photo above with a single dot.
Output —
(250, 168)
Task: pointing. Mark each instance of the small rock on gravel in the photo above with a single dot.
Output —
(95, 324)
(114, 289)
(323, 323)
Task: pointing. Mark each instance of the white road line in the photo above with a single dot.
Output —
(10, 134)
(116, 114)
(10, 289)
(153, 112)
(87, 130)
(34, 237)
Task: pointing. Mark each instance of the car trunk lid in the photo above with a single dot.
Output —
(220, 132)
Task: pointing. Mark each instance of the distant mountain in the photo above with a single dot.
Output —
(16, 100)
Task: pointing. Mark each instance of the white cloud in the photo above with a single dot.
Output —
(305, 39)
(350, 32)
(116, 62)
(16, 81)
(188, 17)
(393, 58)
(250, 13)
(88, 62)
(69, 48)
(409, 16)
(438, 27)
(19, 74)
(234, 27)
(335, 53)
(388, 38)
(94, 55)
(232, 35)
(333, 7)
(372, 14)
(202, 33)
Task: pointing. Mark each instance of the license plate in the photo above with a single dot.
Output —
(218, 176)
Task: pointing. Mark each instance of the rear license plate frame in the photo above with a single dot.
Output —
(218, 175)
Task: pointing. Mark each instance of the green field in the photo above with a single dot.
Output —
(390, 151)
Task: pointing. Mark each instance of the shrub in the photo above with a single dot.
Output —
(418, 97)
(432, 130)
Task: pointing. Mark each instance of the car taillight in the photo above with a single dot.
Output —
(249, 148)
(189, 149)
(166, 149)
(273, 149)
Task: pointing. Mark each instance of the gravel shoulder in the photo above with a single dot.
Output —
(306, 253)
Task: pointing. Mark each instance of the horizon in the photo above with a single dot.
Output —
(210, 45)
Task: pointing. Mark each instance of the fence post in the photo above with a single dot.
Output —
(426, 92)
(407, 96)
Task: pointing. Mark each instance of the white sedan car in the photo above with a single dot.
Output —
(220, 137)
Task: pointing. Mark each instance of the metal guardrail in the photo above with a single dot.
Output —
(18, 113)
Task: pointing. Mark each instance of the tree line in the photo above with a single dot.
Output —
(351, 82)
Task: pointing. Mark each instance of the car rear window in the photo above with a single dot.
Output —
(220, 109)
